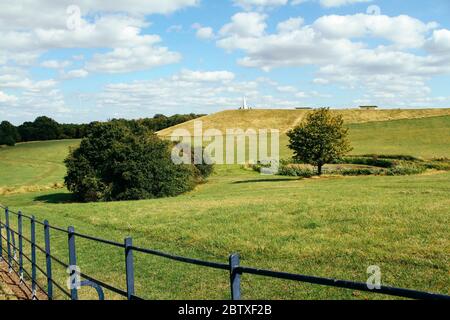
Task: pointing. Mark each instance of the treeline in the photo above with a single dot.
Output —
(45, 128)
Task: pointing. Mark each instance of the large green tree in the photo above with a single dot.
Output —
(321, 138)
(118, 161)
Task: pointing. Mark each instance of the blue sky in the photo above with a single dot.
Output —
(135, 58)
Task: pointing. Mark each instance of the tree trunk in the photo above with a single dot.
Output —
(319, 169)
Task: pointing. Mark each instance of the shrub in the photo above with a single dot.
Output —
(295, 171)
(392, 157)
(406, 169)
(438, 165)
(119, 162)
(361, 172)
(372, 161)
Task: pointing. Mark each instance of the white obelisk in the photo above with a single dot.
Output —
(244, 103)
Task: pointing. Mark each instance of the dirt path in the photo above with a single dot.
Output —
(11, 288)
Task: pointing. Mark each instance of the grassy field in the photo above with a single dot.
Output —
(33, 166)
(426, 137)
(332, 226)
(423, 137)
(284, 120)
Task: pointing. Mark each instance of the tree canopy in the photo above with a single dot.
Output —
(117, 161)
(8, 134)
(321, 138)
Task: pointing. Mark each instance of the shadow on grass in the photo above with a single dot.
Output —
(56, 198)
(266, 180)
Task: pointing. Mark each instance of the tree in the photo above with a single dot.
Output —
(43, 128)
(321, 138)
(8, 134)
(47, 128)
(118, 161)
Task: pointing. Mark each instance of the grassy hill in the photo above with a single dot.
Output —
(422, 133)
(425, 137)
(284, 120)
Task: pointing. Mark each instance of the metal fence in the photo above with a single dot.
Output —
(233, 267)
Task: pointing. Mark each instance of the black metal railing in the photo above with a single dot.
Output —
(233, 267)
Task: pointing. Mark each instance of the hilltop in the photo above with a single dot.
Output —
(287, 119)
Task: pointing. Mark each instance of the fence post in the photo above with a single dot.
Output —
(48, 260)
(235, 277)
(33, 256)
(73, 264)
(129, 267)
(19, 224)
(8, 239)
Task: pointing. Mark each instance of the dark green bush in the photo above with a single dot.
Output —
(406, 169)
(119, 162)
(360, 172)
(438, 164)
(368, 161)
(295, 171)
(392, 157)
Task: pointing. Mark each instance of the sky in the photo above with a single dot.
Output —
(87, 60)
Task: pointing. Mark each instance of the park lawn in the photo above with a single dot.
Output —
(332, 227)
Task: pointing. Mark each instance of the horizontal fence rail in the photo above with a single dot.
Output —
(9, 251)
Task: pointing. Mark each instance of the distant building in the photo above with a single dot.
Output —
(368, 107)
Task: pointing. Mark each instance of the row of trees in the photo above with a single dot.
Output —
(45, 128)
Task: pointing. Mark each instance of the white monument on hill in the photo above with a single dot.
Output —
(244, 104)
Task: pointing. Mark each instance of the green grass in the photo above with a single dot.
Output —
(33, 164)
(425, 137)
(331, 227)
(428, 137)
(422, 132)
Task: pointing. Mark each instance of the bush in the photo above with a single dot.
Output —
(393, 157)
(360, 172)
(406, 169)
(119, 162)
(438, 165)
(372, 161)
(295, 171)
